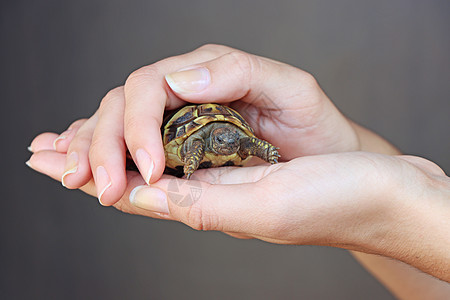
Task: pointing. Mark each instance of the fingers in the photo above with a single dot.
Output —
(43, 141)
(95, 146)
(147, 96)
(77, 170)
(107, 151)
(91, 145)
(283, 104)
(51, 163)
(202, 206)
(224, 199)
(62, 142)
(239, 75)
(53, 141)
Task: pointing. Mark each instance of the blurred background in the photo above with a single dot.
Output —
(384, 63)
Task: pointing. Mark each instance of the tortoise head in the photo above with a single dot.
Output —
(225, 140)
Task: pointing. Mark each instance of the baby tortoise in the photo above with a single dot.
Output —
(206, 136)
(210, 135)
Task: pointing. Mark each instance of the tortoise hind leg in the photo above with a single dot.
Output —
(193, 156)
(260, 148)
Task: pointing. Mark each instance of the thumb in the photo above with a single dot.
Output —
(201, 205)
(238, 75)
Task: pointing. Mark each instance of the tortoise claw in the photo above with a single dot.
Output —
(274, 155)
(188, 171)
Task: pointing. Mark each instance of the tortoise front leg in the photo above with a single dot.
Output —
(193, 155)
(260, 148)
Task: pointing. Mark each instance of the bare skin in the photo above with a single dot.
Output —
(313, 197)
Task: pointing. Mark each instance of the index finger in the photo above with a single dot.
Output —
(147, 96)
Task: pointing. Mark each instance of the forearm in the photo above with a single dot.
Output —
(420, 238)
(402, 279)
(372, 142)
(415, 226)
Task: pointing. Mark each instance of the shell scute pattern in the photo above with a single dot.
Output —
(190, 119)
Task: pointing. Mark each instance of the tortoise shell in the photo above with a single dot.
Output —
(191, 118)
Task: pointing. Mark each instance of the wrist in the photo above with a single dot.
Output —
(415, 227)
(372, 142)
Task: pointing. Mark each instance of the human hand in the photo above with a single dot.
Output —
(284, 105)
(309, 124)
(359, 201)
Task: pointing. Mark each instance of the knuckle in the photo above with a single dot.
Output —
(141, 75)
(244, 63)
(195, 218)
(80, 141)
(77, 123)
(79, 144)
(95, 148)
(111, 97)
(307, 79)
(241, 60)
(214, 48)
(199, 218)
(115, 92)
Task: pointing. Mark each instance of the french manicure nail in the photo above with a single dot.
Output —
(145, 164)
(71, 166)
(188, 81)
(62, 136)
(102, 181)
(30, 149)
(28, 164)
(149, 198)
(59, 138)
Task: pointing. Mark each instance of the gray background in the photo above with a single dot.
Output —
(384, 63)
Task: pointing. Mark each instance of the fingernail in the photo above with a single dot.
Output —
(145, 164)
(30, 149)
(189, 80)
(102, 181)
(62, 136)
(59, 138)
(28, 164)
(71, 166)
(149, 198)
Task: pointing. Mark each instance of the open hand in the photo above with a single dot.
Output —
(359, 201)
